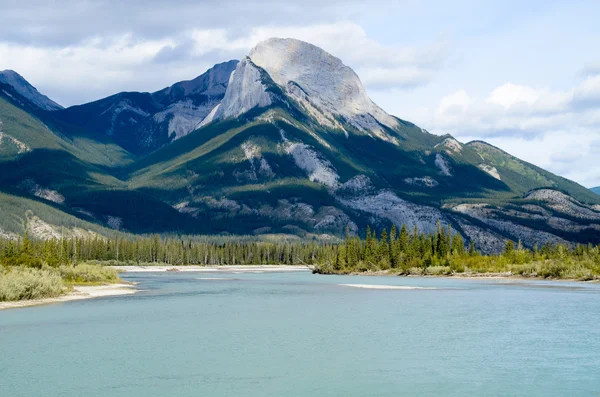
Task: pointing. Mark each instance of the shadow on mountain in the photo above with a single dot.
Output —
(51, 168)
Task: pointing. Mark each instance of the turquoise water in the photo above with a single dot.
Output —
(305, 335)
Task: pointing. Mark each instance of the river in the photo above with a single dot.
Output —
(298, 334)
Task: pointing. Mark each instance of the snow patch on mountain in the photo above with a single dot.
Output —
(317, 168)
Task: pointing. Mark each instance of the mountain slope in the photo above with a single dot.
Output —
(522, 176)
(75, 176)
(292, 144)
(296, 144)
(27, 91)
(143, 122)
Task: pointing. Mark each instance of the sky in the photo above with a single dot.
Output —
(524, 76)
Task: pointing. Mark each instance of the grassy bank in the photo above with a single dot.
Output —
(26, 283)
(583, 268)
(444, 254)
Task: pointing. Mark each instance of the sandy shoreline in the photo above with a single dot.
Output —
(79, 292)
(377, 286)
(481, 276)
(213, 269)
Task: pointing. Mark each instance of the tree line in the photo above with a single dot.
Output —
(400, 250)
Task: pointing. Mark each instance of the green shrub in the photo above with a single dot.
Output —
(438, 270)
(85, 273)
(24, 260)
(27, 283)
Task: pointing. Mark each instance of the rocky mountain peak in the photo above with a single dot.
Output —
(212, 83)
(29, 92)
(317, 80)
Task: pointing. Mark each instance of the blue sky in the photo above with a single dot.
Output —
(524, 76)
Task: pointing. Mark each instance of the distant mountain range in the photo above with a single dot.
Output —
(596, 189)
(285, 142)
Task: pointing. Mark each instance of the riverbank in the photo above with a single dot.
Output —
(233, 269)
(500, 276)
(77, 292)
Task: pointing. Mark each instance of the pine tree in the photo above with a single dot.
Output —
(403, 240)
(383, 251)
(458, 244)
(26, 244)
(471, 248)
(392, 247)
(509, 248)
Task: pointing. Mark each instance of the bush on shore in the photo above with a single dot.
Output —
(86, 273)
(21, 283)
(25, 283)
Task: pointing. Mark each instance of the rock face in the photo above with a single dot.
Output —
(247, 90)
(318, 81)
(187, 103)
(143, 122)
(27, 91)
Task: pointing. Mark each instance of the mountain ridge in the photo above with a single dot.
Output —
(145, 121)
(288, 150)
(27, 91)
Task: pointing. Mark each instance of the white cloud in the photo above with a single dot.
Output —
(510, 94)
(377, 65)
(512, 109)
(455, 103)
(85, 71)
(110, 64)
(556, 130)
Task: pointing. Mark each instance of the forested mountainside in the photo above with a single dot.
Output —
(284, 142)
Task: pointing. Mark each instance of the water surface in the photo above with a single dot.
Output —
(297, 334)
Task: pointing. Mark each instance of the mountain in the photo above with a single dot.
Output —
(292, 144)
(142, 122)
(27, 91)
